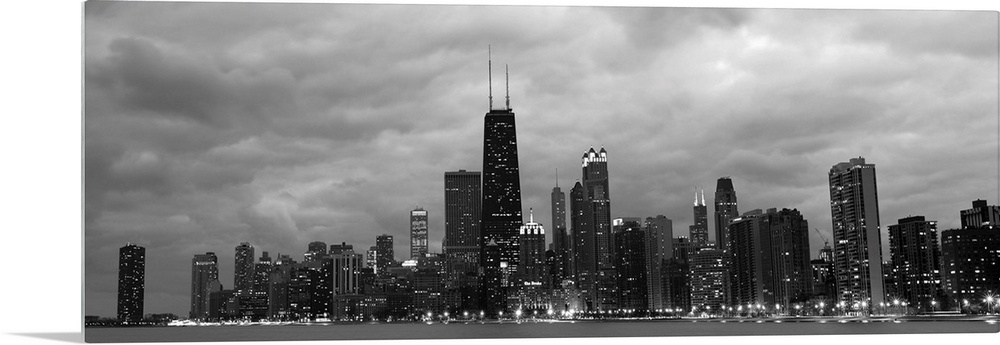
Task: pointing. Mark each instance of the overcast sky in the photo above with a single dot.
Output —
(207, 125)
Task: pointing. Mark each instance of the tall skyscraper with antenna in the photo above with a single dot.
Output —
(725, 210)
(699, 230)
(501, 218)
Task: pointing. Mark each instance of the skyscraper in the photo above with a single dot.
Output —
(204, 271)
(598, 214)
(659, 251)
(561, 243)
(707, 277)
(970, 257)
(769, 258)
(630, 264)
(384, 259)
(463, 210)
(584, 250)
(501, 219)
(699, 230)
(131, 282)
(418, 233)
(243, 276)
(315, 251)
(725, 209)
(532, 271)
(856, 236)
(913, 247)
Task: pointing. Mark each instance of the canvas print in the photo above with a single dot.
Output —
(282, 171)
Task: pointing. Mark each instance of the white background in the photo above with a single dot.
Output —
(42, 175)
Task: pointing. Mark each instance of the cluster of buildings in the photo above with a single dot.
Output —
(494, 264)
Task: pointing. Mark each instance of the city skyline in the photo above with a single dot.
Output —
(138, 188)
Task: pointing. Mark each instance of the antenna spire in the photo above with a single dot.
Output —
(557, 177)
(531, 215)
(507, 76)
(489, 52)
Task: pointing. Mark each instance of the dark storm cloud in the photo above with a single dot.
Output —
(279, 124)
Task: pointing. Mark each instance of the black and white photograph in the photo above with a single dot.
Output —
(278, 171)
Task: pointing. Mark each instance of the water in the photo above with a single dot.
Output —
(459, 330)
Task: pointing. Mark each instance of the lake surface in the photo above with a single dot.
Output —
(461, 330)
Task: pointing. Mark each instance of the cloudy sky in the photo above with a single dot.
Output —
(207, 125)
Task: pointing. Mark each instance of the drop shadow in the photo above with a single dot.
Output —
(69, 337)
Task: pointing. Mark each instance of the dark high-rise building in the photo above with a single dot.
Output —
(725, 209)
(501, 218)
(584, 248)
(659, 250)
(824, 283)
(562, 246)
(243, 275)
(769, 258)
(131, 282)
(595, 184)
(683, 248)
(699, 230)
(980, 215)
(913, 247)
(463, 210)
(857, 243)
(970, 257)
(532, 271)
(255, 304)
(493, 298)
(384, 255)
(204, 271)
(630, 264)
(418, 233)
(315, 251)
(708, 277)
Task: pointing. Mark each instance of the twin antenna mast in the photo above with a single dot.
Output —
(507, 76)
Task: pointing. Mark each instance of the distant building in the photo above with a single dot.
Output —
(315, 251)
(562, 244)
(980, 215)
(418, 233)
(584, 246)
(243, 275)
(630, 264)
(970, 257)
(204, 271)
(857, 242)
(659, 233)
(699, 230)
(462, 214)
(131, 282)
(384, 253)
(824, 282)
(725, 210)
(913, 246)
(708, 277)
(769, 258)
(254, 305)
(501, 208)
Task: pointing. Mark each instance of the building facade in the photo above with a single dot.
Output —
(725, 210)
(857, 240)
(699, 230)
(131, 282)
(630, 265)
(462, 214)
(659, 233)
(913, 248)
(243, 275)
(970, 257)
(418, 233)
(204, 271)
(501, 218)
(707, 276)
